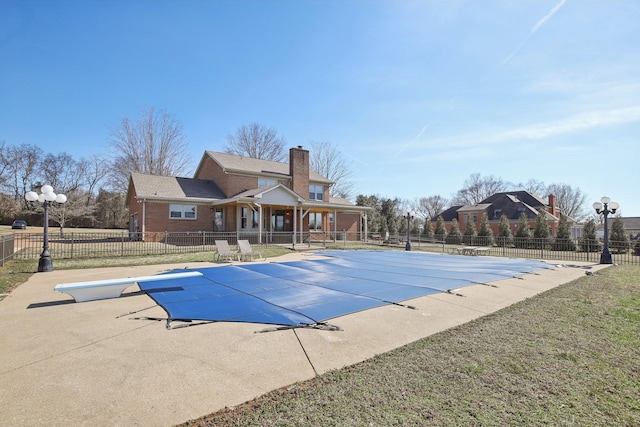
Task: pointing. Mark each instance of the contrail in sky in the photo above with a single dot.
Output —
(425, 127)
(533, 30)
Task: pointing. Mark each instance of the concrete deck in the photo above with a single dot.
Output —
(91, 363)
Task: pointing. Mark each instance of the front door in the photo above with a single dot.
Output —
(277, 221)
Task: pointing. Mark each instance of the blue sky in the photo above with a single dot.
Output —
(418, 95)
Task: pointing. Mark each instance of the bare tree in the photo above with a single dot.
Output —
(258, 142)
(62, 172)
(153, 144)
(477, 188)
(4, 164)
(94, 171)
(327, 160)
(535, 187)
(571, 201)
(429, 207)
(23, 169)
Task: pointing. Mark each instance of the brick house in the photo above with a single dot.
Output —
(511, 204)
(230, 193)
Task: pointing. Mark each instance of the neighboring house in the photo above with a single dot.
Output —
(512, 204)
(631, 225)
(230, 193)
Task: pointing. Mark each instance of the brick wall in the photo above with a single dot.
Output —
(299, 170)
(157, 218)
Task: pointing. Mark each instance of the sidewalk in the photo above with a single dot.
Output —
(92, 363)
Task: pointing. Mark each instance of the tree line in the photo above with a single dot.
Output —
(155, 143)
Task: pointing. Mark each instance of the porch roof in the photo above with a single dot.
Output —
(261, 195)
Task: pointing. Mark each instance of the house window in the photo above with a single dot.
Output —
(248, 216)
(243, 217)
(315, 221)
(218, 220)
(264, 182)
(182, 211)
(331, 218)
(497, 213)
(315, 191)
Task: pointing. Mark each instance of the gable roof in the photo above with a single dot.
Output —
(256, 194)
(448, 214)
(250, 166)
(631, 223)
(518, 196)
(168, 188)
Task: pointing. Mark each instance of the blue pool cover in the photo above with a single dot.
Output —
(310, 292)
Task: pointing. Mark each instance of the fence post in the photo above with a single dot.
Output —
(72, 243)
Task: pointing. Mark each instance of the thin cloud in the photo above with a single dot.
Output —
(569, 125)
(533, 30)
(413, 141)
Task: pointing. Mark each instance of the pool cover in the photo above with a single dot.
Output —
(310, 292)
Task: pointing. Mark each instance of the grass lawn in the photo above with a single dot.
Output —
(568, 357)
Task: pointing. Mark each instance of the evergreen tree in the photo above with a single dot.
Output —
(523, 235)
(402, 227)
(505, 238)
(428, 230)
(485, 235)
(589, 242)
(618, 239)
(393, 229)
(470, 233)
(563, 241)
(454, 236)
(541, 230)
(440, 231)
(415, 227)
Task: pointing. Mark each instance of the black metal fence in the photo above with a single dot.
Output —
(6, 248)
(548, 249)
(121, 244)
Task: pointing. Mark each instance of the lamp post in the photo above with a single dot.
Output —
(606, 207)
(46, 197)
(408, 217)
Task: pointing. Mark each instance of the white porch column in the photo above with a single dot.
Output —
(301, 228)
(366, 227)
(144, 216)
(259, 223)
(295, 225)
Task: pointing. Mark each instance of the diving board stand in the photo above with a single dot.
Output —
(113, 288)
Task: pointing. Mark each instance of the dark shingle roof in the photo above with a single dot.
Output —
(232, 162)
(174, 188)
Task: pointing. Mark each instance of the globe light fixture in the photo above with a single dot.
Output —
(409, 217)
(605, 207)
(46, 197)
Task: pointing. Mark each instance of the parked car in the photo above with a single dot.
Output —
(19, 224)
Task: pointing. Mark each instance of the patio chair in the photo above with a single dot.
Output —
(247, 251)
(223, 251)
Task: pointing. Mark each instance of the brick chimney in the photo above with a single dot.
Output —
(299, 170)
(553, 210)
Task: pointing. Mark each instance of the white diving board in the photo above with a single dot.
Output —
(113, 288)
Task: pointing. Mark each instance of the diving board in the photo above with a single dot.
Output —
(113, 288)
